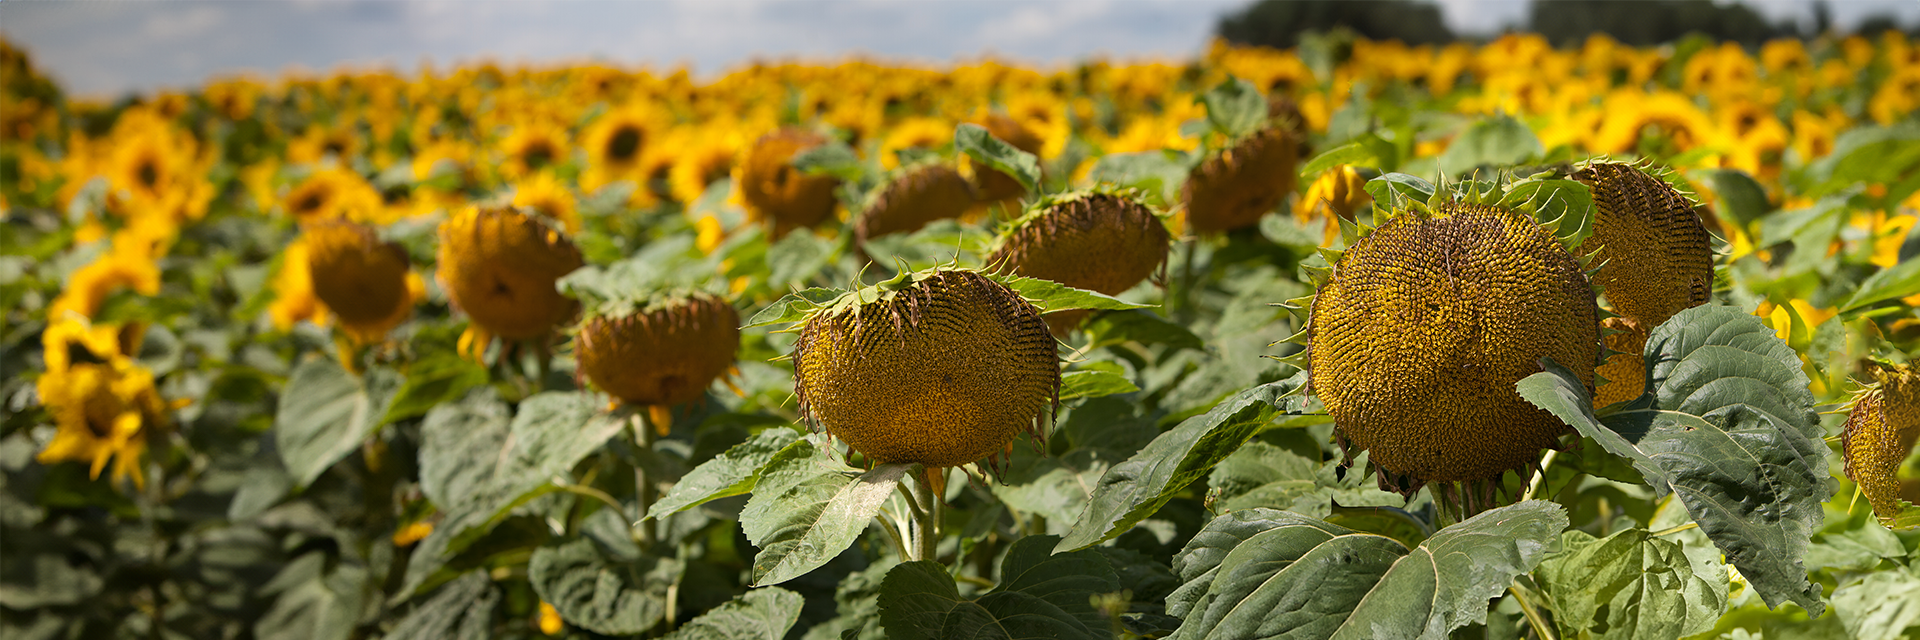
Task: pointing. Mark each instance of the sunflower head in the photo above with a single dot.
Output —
(940, 367)
(991, 184)
(1653, 253)
(1880, 432)
(1234, 187)
(917, 195)
(1417, 338)
(778, 194)
(361, 279)
(103, 411)
(499, 266)
(666, 353)
(1099, 241)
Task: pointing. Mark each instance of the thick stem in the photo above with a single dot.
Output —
(644, 491)
(926, 517)
(1540, 474)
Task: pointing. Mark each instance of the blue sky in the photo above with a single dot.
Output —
(104, 48)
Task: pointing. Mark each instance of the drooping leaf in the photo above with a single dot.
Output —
(805, 510)
(1729, 427)
(1133, 490)
(1265, 573)
(1496, 141)
(1040, 595)
(325, 606)
(974, 141)
(834, 159)
(1365, 150)
(793, 307)
(614, 596)
(1627, 585)
(460, 610)
(1052, 296)
(1738, 196)
(1094, 383)
(761, 614)
(1235, 107)
(1263, 475)
(1897, 281)
(1384, 188)
(325, 413)
(731, 473)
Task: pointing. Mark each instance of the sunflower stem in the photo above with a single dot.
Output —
(1540, 474)
(643, 490)
(1535, 619)
(926, 518)
(1677, 529)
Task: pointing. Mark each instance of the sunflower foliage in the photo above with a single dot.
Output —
(588, 351)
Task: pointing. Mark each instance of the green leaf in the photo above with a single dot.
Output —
(322, 607)
(1263, 475)
(1882, 604)
(613, 596)
(1628, 585)
(1384, 188)
(1366, 150)
(977, 143)
(1264, 573)
(325, 413)
(1729, 428)
(1052, 296)
(1157, 173)
(1135, 489)
(1139, 325)
(804, 512)
(459, 443)
(834, 159)
(433, 381)
(1880, 155)
(1492, 142)
(731, 473)
(793, 307)
(1740, 198)
(796, 258)
(1094, 383)
(761, 614)
(1897, 281)
(1040, 595)
(1235, 108)
(460, 610)
(48, 571)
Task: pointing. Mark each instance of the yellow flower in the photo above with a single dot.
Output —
(103, 412)
(1782, 320)
(321, 143)
(616, 143)
(101, 341)
(1898, 97)
(914, 133)
(1337, 193)
(547, 196)
(90, 285)
(413, 532)
(549, 620)
(334, 193)
(293, 286)
(531, 147)
(777, 194)
(707, 158)
(1889, 232)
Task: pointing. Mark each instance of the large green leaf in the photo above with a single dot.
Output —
(433, 381)
(1263, 475)
(1139, 325)
(1158, 174)
(1094, 383)
(1040, 595)
(458, 439)
(1496, 141)
(982, 147)
(326, 605)
(1882, 604)
(1738, 196)
(620, 595)
(1052, 296)
(761, 614)
(731, 473)
(1728, 427)
(806, 509)
(1628, 585)
(1897, 281)
(1365, 150)
(325, 413)
(1264, 573)
(1235, 107)
(1132, 490)
(460, 610)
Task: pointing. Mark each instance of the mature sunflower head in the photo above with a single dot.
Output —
(1233, 188)
(1102, 242)
(665, 354)
(549, 197)
(941, 368)
(917, 195)
(775, 192)
(1424, 326)
(1654, 255)
(499, 266)
(361, 279)
(104, 411)
(1880, 432)
(616, 141)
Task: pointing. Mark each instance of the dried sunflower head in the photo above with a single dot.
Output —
(499, 266)
(1233, 188)
(1880, 433)
(778, 194)
(665, 354)
(361, 279)
(918, 195)
(1098, 241)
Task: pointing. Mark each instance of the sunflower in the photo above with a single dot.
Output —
(532, 147)
(294, 299)
(1629, 113)
(363, 281)
(144, 166)
(320, 143)
(914, 133)
(88, 287)
(777, 194)
(499, 267)
(103, 412)
(549, 197)
(616, 143)
(707, 158)
(334, 193)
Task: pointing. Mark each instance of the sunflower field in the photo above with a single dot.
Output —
(1352, 340)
